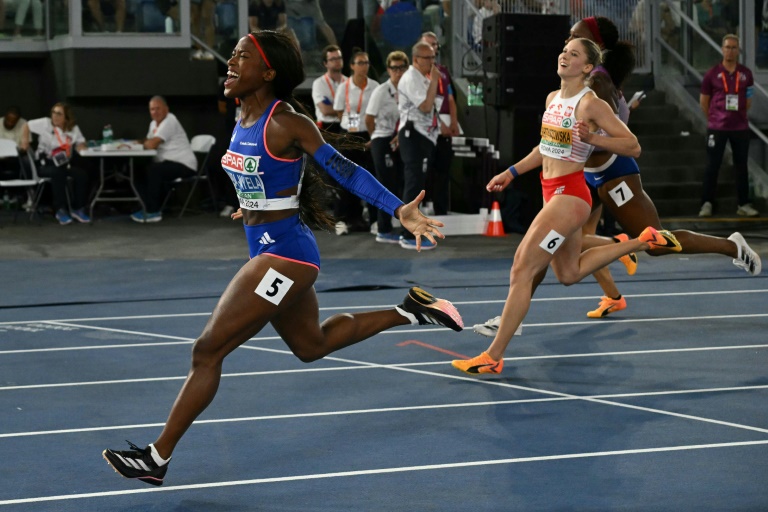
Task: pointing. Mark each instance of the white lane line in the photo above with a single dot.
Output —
(179, 377)
(562, 395)
(383, 471)
(602, 322)
(380, 410)
(379, 306)
(310, 370)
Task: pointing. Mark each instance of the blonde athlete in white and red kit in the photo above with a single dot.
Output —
(574, 123)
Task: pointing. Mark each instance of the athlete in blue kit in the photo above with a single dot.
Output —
(279, 196)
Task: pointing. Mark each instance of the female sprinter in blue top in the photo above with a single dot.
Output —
(278, 197)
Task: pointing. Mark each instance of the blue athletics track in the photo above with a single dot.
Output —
(660, 407)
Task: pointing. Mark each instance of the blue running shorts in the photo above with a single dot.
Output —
(289, 239)
(616, 167)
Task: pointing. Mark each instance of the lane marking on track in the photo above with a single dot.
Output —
(383, 471)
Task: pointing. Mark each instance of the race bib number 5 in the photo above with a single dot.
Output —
(273, 286)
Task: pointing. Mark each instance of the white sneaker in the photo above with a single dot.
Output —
(490, 327)
(196, 55)
(706, 210)
(747, 259)
(746, 210)
(206, 55)
(342, 228)
(227, 211)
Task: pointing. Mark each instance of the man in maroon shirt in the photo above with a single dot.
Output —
(726, 95)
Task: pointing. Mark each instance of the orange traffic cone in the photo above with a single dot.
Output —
(495, 227)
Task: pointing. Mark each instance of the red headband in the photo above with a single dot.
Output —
(261, 52)
(592, 24)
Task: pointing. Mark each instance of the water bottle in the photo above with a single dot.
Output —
(388, 160)
(168, 25)
(471, 96)
(106, 134)
(475, 95)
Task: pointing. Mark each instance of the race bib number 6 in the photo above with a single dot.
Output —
(273, 286)
(552, 241)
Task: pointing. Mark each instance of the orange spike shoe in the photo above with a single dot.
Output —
(607, 306)
(629, 260)
(479, 364)
(661, 239)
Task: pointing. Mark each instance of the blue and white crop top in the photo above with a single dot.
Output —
(256, 173)
(558, 139)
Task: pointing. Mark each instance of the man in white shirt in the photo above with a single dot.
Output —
(175, 158)
(324, 89)
(419, 101)
(12, 128)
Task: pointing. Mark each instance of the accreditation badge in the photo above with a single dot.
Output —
(354, 122)
(732, 102)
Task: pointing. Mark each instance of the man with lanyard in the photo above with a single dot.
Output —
(420, 97)
(351, 101)
(438, 175)
(726, 95)
(324, 89)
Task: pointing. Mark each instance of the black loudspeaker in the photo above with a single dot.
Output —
(507, 29)
(519, 90)
(528, 59)
(520, 58)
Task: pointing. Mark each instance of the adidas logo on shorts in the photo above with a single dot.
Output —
(266, 239)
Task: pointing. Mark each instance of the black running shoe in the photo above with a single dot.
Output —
(136, 463)
(425, 309)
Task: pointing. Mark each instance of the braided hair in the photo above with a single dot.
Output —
(619, 56)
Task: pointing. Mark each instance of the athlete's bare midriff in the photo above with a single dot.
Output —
(554, 168)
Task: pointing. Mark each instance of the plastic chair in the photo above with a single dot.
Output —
(202, 145)
(33, 184)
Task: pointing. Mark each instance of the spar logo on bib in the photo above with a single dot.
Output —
(240, 163)
(251, 164)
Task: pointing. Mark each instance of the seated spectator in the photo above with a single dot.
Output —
(487, 8)
(59, 137)
(267, 15)
(201, 14)
(21, 8)
(709, 16)
(98, 16)
(300, 10)
(12, 127)
(175, 158)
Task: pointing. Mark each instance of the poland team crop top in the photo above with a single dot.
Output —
(256, 173)
(558, 139)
